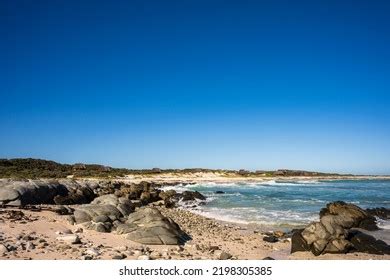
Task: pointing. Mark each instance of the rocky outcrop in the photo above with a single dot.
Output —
(149, 226)
(190, 195)
(335, 232)
(104, 213)
(347, 216)
(24, 192)
(149, 192)
(381, 212)
(69, 191)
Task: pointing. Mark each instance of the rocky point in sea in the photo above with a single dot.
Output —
(340, 231)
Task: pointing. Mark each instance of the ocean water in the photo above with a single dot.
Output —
(286, 204)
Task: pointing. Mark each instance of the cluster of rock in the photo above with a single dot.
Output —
(105, 206)
(338, 232)
(69, 191)
(149, 226)
(29, 192)
(146, 225)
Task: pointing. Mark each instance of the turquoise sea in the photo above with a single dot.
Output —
(285, 204)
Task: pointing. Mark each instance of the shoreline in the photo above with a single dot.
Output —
(209, 238)
(217, 177)
(34, 234)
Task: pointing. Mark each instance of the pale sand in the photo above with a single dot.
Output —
(224, 177)
(237, 240)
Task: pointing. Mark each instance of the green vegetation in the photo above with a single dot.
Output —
(37, 168)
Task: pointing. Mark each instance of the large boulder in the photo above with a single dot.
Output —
(104, 213)
(192, 195)
(27, 192)
(124, 205)
(149, 226)
(333, 233)
(349, 215)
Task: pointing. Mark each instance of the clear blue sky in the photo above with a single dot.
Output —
(196, 83)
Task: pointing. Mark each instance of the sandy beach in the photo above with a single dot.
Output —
(35, 235)
(226, 177)
(42, 233)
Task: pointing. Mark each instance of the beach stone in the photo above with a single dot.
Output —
(99, 227)
(69, 239)
(101, 219)
(122, 204)
(7, 195)
(268, 259)
(3, 249)
(121, 248)
(30, 246)
(119, 257)
(137, 253)
(270, 239)
(168, 194)
(190, 195)
(63, 210)
(86, 213)
(222, 255)
(137, 203)
(92, 252)
(279, 234)
(149, 226)
(143, 258)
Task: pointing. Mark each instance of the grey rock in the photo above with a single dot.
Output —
(270, 239)
(30, 246)
(7, 195)
(24, 192)
(143, 257)
(86, 213)
(119, 257)
(149, 226)
(3, 249)
(101, 219)
(69, 238)
(222, 255)
(92, 252)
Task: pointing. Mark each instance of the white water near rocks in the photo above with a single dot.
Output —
(286, 204)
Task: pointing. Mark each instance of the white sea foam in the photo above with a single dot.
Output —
(250, 215)
(178, 188)
(383, 224)
(266, 202)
